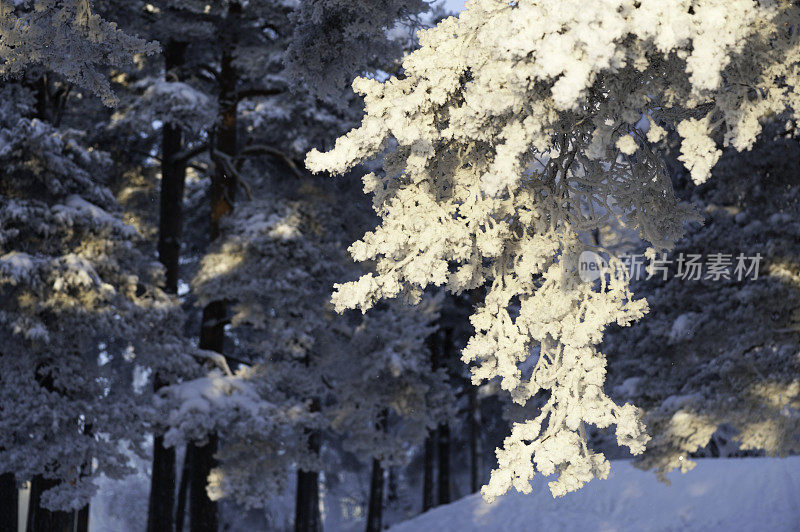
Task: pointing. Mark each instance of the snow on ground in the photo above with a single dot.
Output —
(734, 494)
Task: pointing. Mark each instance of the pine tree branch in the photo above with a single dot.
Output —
(227, 162)
(185, 156)
(263, 149)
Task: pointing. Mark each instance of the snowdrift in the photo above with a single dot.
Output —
(755, 494)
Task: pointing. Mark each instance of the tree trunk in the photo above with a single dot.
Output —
(180, 511)
(82, 520)
(427, 475)
(173, 177)
(474, 439)
(82, 515)
(203, 512)
(162, 485)
(428, 499)
(306, 510)
(9, 503)
(375, 512)
(161, 507)
(223, 183)
(443, 484)
(41, 519)
(442, 356)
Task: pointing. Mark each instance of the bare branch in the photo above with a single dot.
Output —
(262, 149)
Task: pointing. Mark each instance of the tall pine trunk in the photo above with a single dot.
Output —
(445, 354)
(203, 512)
(9, 503)
(41, 519)
(375, 511)
(427, 472)
(161, 507)
(306, 511)
(443, 452)
(82, 519)
(474, 439)
(183, 488)
(428, 491)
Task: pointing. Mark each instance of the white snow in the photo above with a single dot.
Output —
(717, 495)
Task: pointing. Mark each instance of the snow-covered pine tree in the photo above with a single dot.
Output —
(363, 380)
(334, 39)
(83, 317)
(185, 115)
(38, 32)
(507, 126)
(716, 367)
(257, 114)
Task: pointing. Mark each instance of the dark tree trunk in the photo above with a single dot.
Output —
(82, 515)
(306, 509)
(440, 358)
(443, 452)
(203, 512)
(428, 492)
(427, 474)
(223, 183)
(9, 503)
(162, 486)
(375, 511)
(180, 511)
(82, 520)
(41, 519)
(173, 177)
(474, 439)
(161, 507)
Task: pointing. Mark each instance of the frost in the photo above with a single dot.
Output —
(173, 102)
(499, 151)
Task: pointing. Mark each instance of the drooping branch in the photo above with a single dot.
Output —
(184, 156)
(262, 149)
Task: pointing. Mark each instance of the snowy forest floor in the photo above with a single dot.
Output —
(719, 494)
(752, 494)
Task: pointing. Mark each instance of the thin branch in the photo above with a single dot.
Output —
(185, 156)
(262, 149)
(229, 167)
